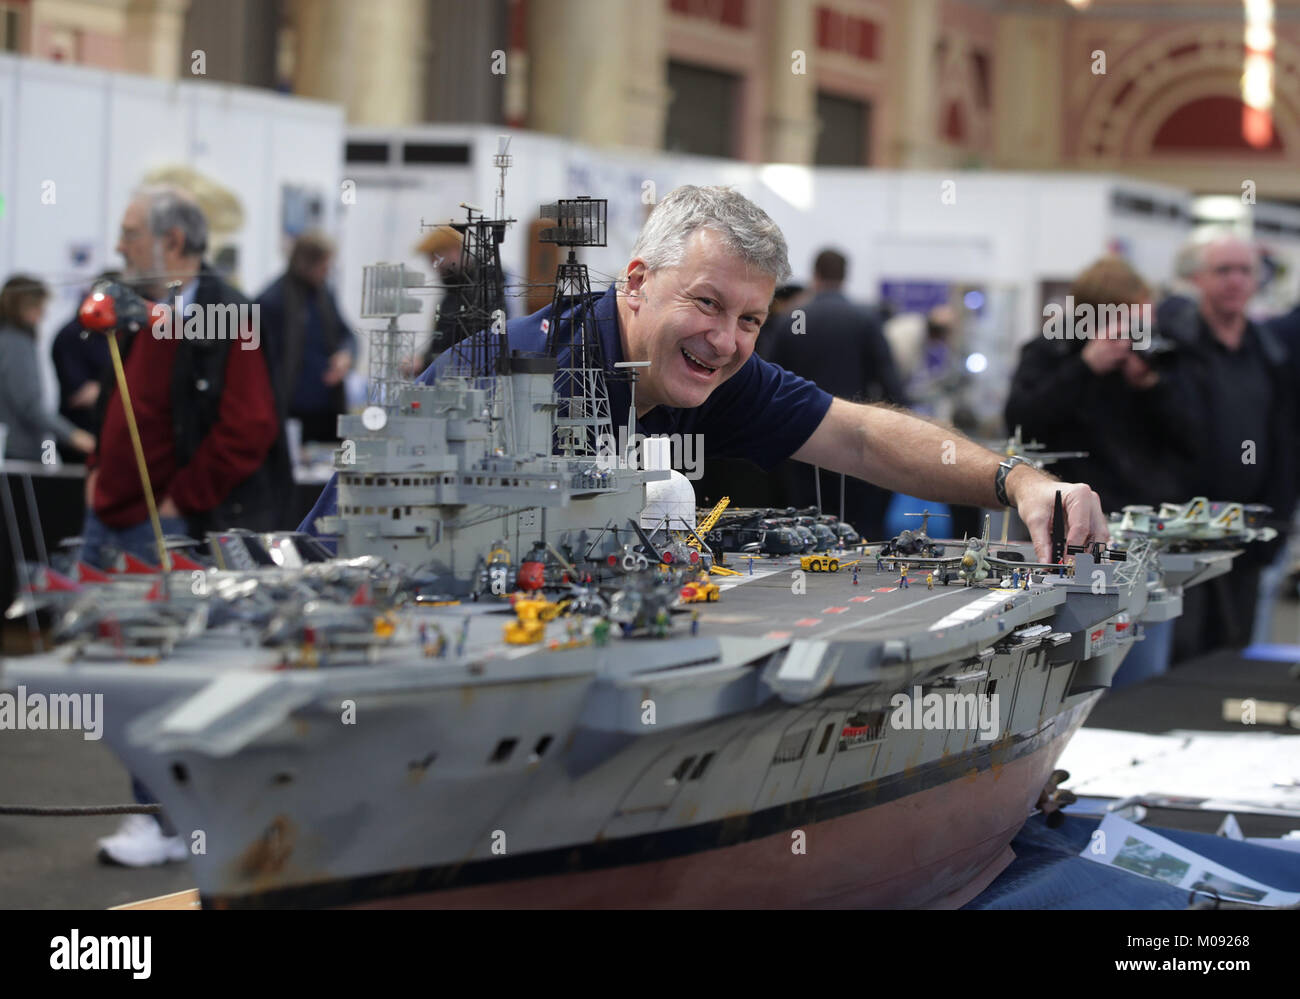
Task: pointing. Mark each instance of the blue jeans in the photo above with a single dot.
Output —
(96, 536)
(143, 797)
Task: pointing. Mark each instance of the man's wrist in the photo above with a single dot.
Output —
(1017, 478)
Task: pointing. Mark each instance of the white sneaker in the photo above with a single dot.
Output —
(139, 842)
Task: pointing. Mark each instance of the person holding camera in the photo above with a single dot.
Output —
(1110, 387)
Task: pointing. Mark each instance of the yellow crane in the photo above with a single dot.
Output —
(706, 525)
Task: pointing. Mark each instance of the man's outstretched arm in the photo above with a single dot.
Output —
(902, 452)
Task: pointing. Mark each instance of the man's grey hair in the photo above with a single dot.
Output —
(171, 208)
(744, 227)
(1191, 258)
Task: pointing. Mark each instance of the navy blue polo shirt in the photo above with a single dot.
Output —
(762, 412)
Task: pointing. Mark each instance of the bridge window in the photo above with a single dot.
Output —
(702, 766)
(543, 744)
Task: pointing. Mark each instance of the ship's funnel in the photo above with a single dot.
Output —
(530, 386)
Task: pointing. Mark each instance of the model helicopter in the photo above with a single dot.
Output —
(912, 543)
(753, 533)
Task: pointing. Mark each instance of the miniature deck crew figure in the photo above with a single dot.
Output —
(880, 564)
(464, 636)
(751, 565)
(695, 622)
(929, 581)
(902, 576)
(1028, 577)
(600, 632)
(1015, 579)
(661, 623)
(855, 574)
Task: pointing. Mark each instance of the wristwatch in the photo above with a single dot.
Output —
(1004, 469)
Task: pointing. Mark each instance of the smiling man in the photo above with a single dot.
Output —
(691, 302)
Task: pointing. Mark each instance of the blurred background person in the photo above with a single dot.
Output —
(785, 300)
(1137, 423)
(310, 346)
(205, 408)
(23, 410)
(1245, 386)
(840, 346)
(443, 247)
(1135, 417)
(208, 426)
(81, 364)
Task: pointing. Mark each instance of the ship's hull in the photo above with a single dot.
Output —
(934, 836)
(728, 771)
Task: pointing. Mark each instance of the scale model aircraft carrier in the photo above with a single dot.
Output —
(523, 704)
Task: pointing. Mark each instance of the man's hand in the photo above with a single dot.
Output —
(340, 365)
(1138, 374)
(168, 508)
(85, 396)
(1103, 355)
(1033, 494)
(905, 454)
(82, 441)
(91, 476)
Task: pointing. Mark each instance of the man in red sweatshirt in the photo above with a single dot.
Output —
(201, 391)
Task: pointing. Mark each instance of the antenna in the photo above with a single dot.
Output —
(502, 161)
(1058, 530)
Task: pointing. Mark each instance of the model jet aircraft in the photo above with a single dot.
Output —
(911, 542)
(1034, 452)
(1195, 522)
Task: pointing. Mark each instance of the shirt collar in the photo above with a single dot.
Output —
(1248, 337)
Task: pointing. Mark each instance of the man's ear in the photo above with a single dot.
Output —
(175, 241)
(635, 284)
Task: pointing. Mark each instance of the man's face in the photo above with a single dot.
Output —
(1226, 277)
(138, 247)
(695, 323)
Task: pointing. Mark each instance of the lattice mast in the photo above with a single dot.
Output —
(482, 300)
(582, 398)
(483, 294)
